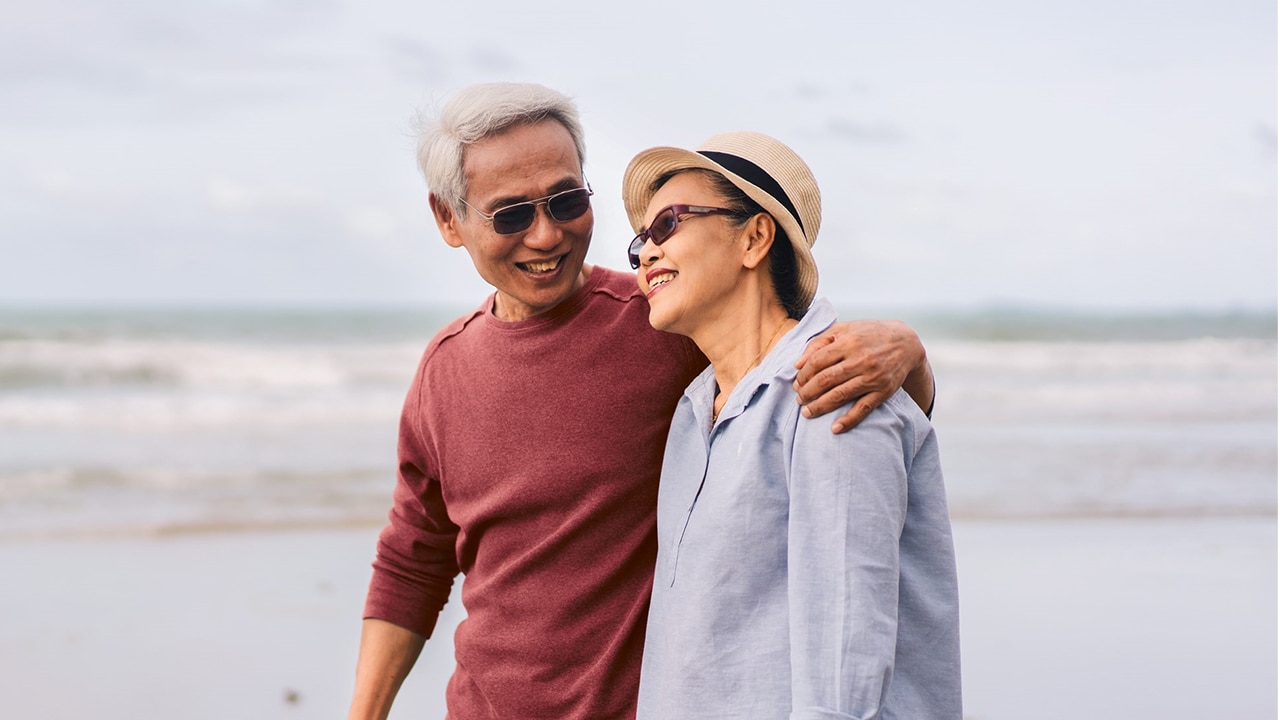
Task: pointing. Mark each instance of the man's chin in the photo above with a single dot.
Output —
(536, 298)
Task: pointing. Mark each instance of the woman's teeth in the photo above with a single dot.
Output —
(662, 279)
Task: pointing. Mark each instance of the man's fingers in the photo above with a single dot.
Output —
(857, 413)
(862, 361)
(867, 400)
(827, 368)
(814, 346)
(838, 395)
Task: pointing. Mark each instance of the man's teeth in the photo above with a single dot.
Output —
(662, 279)
(545, 266)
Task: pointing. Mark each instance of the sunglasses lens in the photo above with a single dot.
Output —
(659, 230)
(513, 219)
(564, 207)
(662, 226)
(633, 251)
(569, 206)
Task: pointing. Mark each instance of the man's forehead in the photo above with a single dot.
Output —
(521, 155)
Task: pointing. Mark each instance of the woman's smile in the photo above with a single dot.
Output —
(658, 277)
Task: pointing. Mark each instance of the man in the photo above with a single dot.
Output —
(532, 436)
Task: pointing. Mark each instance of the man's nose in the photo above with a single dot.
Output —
(545, 233)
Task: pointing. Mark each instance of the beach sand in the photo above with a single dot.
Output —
(1066, 618)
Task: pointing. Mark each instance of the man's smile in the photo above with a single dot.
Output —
(541, 267)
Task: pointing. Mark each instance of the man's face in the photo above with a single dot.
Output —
(537, 268)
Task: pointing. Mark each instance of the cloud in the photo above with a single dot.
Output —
(415, 61)
(55, 190)
(490, 59)
(55, 183)
(373, 222)
(865, 133)
(236, 197)
(78, 64)
(1264, 135)
(807, 91)
(269, 135)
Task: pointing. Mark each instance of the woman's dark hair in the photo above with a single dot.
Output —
(782, 256)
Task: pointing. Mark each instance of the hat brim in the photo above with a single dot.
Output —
(649, 165)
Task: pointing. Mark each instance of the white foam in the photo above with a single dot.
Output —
(51, 363)
(1188, 380)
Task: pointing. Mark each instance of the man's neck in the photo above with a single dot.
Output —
(514, 312)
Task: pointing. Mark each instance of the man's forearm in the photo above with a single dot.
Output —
(387, 654)
(919, 385)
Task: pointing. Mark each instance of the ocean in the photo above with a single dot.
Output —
(124, 422)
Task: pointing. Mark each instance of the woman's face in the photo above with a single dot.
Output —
(690, 278)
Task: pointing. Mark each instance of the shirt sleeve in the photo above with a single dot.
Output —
(848, 504)
(417, 557)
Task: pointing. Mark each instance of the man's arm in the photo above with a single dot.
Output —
(863, 360)
(413, 571)
(387, 654)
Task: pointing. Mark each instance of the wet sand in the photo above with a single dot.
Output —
(1068, 618)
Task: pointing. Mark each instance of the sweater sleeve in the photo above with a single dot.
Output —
(417, 561)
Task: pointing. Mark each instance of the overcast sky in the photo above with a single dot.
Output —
(1086, 154)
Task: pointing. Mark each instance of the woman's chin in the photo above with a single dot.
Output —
(662, 321)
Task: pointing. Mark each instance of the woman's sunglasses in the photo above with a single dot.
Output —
(562, 207)
(664, 225)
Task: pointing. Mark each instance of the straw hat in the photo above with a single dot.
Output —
(769, 172)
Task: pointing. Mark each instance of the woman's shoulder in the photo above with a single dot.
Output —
(898, 421)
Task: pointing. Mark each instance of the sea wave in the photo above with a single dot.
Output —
(71, 364)
(170, 412)
(121, 433)
(97, 500)
(1185, 380)
(1202, 355)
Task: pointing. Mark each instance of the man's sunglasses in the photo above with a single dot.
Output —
(664, 225)
(562, 207)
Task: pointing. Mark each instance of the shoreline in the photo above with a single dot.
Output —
(221, 527)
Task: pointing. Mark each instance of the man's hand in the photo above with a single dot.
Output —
(866, 361)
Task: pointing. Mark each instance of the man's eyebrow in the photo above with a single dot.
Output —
(569, 183)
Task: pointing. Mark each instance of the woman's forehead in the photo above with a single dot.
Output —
(691, 187)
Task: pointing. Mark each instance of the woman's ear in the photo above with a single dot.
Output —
(759, 231)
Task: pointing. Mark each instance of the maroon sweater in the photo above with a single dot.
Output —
(529, 461)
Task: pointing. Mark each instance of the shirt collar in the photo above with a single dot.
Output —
(778, 364)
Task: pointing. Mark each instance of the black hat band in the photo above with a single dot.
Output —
(755, 175)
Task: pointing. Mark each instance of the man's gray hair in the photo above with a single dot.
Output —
(480, 112)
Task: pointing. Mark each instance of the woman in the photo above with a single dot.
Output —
(800, 573)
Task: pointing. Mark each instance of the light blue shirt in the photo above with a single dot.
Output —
(800, 574)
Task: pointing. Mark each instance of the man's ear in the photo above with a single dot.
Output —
(760, 231)
(447, 220)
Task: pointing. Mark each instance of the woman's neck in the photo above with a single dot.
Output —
(737, 339)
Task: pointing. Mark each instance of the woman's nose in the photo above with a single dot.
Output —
(650, 253)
